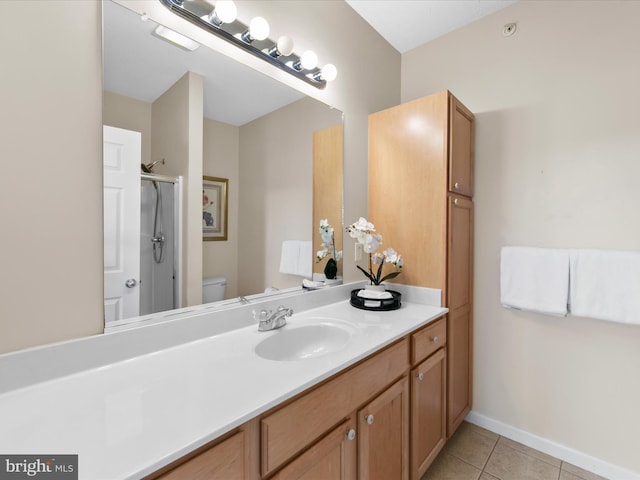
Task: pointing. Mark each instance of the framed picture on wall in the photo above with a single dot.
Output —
(214, 208)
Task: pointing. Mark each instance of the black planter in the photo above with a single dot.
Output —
(331, 269)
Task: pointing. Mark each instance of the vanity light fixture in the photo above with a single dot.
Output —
(258, 30)
(175, 38)
(283, 47)
(220, 20)
(225, 11)
(308, 61)
(329, 73)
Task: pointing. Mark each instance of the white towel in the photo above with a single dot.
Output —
(372, 294)
(535, 279)
(296, 258)
(605, 284)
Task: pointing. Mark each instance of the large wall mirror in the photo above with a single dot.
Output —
(255, 140)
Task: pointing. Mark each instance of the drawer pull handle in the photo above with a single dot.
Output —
(420, 376)
(436, 339)
(456, 185)
(351, 434)
(369, 419)
(455, 201)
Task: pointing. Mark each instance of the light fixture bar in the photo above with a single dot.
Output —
(312, 76)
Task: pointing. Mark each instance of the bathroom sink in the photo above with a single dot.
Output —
(291, 343)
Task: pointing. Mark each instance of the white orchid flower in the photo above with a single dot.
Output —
(364, 225)
(390, 255)
(362, 231)
(372, 242)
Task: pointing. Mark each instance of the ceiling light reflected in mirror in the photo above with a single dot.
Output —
(175, 38)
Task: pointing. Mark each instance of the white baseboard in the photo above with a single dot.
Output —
(566, 454)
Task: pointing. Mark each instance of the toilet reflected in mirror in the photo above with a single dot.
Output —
(213, 289)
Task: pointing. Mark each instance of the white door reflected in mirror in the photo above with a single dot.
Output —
(121, 157)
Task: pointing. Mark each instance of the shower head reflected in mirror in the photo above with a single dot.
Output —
(148, 168)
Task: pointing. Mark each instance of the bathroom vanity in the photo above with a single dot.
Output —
(209, 396)
(382, 418)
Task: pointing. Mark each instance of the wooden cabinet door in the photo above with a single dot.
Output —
(332, 458)
(428, 412)
(460, 252)
(299, 424)
(461, 123)
(459, 302)
(383, 430)
(224, 461)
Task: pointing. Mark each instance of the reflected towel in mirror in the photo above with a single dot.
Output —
(296, 258)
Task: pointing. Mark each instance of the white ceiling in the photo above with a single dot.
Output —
(407, 24)
(142, 66)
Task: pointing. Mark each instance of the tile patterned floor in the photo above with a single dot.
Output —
(474, 453)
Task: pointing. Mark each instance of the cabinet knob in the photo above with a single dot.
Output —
(420, 376)
(369, 419)
(351, 434)
(436, 339)
(455, 201)
(456, 185)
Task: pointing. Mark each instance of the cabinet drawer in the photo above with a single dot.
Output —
(295, 426)
(428, 340)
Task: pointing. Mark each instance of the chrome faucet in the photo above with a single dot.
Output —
(270, 320)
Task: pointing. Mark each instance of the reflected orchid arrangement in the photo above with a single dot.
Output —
(365, 233)
(328, 246)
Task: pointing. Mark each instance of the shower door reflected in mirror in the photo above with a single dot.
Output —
(159, 240)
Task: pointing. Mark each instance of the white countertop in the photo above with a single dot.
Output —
(129, 418)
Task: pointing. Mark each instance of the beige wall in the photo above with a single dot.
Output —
(130, 114)
(221, 159)
(556, 166)
(51, 150)
(177, 137)
(276, 178)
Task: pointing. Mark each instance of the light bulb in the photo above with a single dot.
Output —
(329, 72)
(259, 28)
(226, 11)
(309, 60)
(285, 45)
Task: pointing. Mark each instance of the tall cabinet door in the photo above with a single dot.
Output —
(383, 427)
(461, 123)
(459, 301)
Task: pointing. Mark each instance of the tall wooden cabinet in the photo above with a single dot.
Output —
(420, 189)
